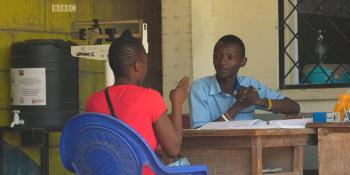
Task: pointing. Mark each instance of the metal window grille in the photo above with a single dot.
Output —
(314, 43)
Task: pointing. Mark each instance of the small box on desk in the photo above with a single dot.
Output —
(324, 117)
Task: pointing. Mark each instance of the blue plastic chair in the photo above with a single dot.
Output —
(97, 144)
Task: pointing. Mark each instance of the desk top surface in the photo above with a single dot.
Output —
(329, 125)
(247, 132)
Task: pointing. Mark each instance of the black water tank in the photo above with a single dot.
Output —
(44, 104)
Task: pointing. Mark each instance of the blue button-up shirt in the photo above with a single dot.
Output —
(208, 102)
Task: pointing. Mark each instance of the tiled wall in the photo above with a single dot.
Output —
(177, 44)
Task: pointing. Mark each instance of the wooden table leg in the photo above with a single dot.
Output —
(256, 151)
(298, 161)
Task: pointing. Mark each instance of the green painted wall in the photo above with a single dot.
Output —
(34, 19)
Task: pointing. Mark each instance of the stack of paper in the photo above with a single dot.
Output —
(257, 124)
(291, 123)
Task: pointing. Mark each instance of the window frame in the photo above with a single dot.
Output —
(281, 50)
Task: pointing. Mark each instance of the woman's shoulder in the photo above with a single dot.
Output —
(153, 92)
(136, 90)
(96, 95)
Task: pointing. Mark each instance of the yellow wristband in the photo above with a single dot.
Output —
(270, 104)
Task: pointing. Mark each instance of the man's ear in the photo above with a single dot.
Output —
(243, 61)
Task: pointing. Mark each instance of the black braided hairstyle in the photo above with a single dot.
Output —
(124, 52)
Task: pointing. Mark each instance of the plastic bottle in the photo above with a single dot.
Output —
(320, 47)
(342, 105)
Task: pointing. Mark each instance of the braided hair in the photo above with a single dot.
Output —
(124, 52)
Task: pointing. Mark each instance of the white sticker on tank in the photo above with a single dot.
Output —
(28, 86)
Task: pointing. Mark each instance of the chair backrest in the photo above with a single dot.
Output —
(94, 144)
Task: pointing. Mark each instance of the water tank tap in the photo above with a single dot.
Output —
(16, 120)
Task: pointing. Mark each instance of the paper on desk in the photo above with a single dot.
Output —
(291, 123)
(257, 124)
(241, 124)
(272, 170)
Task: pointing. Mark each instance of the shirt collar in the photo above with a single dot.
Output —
(215, 87)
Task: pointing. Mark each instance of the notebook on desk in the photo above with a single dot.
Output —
(257, 124)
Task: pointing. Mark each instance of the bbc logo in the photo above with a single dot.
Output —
(64, 8)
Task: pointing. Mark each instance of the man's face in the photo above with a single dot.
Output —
(227, 60)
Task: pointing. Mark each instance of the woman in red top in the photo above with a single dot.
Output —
(141, 108)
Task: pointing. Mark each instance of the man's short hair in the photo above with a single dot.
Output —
(232, 39)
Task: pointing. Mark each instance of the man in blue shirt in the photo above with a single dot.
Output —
(228, 96)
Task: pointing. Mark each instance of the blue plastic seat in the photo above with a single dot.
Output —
(97, 144)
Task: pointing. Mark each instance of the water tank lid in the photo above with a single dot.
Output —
(58, 42)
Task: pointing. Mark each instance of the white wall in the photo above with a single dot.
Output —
(203, 39)
(177, 44)
(212, 19)
(191, 28)
(255, 22)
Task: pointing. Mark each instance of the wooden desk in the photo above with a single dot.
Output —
(333, 148)
(243, 152)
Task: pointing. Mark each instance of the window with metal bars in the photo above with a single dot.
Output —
(314, 43)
